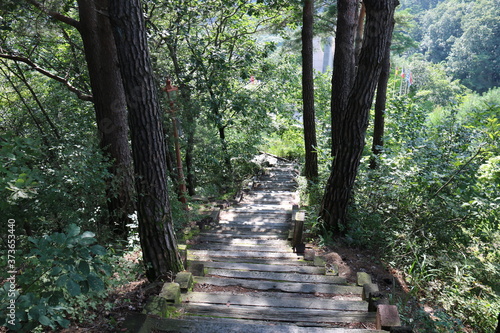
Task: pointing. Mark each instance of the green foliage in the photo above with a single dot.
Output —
(58, 268)
(464, 35)
(473, 57)
(432, 205)
(43, 191)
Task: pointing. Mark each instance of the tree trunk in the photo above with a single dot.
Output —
(190, 176)
(359, 31)
(311, 163)
(380, 103)
(110, 108)
(158, 242)
(378, 32)
(344, 66)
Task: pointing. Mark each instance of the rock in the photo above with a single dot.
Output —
(369, 289)
(197, 269)
(319, 261)
(309, 254)
(171, 292)
(364, 278)
(157, 306)
(185, 280)
(332, 269)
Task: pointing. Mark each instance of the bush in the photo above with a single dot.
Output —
(58, 268)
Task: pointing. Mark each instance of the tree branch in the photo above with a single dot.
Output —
(457, 172)
(80, 94)
(56, 15)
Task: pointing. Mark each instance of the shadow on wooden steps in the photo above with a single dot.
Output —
(254, 283)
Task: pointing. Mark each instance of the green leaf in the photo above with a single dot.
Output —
(73, 288)
(87, 238)
(63, 322)
(87, 234)
(72, 230)
(44, 320)
(84, 267)
(55, 271)
(84, 286)
(56, 298)
(77, 277)
(62, 280)
(34, 313)
(98, 250)
(59, 238)
(95, 283)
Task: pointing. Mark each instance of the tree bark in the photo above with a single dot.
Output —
(311, 162)
(344, 67)
(380, 104)
(359, 31)
(110, 109)
(378, 32)
(158, 242)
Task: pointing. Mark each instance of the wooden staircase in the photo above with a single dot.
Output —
(254, 282)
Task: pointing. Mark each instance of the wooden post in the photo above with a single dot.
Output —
(387, 317)
(298, 218)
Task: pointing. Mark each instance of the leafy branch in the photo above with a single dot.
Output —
(80, 94)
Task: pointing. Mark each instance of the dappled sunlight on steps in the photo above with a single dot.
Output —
(254, 282)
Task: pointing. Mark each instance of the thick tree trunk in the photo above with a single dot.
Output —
(158, 242)
(110, 108)
(378, 32)
(344, 66)
(311, 163)
(380, 103)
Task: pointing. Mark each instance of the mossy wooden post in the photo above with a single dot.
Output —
(298, 219)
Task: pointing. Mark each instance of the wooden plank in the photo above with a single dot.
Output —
(194, 324)
(238, 247)
(246, 230)
(257, 221)
(196, 254)
(281, 267)
(273, 276)
(291, 315)
(240, 235)
(286, 262)
(304, 303)
(243, 223)
(282, 286)
(243, 241)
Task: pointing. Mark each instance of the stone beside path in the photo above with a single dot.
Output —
(253, 281)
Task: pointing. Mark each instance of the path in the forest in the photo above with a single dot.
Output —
(254, 282)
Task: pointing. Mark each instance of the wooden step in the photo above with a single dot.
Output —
(282, 267)
(280, 230)
(252, 219)
(241, 241)
(259, 261)
(245, 224)
(241, 234)
(146, 324)
(238, 247)
(274, 276)
(278, 300)
(282, 286)
(278, 314)
(204, 254)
